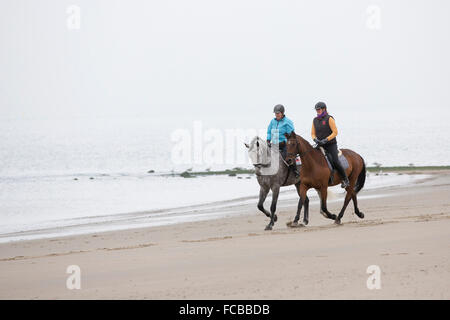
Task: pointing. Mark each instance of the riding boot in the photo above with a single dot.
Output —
(333, 151)
(295, 170)
(345, 182)
(331, 180)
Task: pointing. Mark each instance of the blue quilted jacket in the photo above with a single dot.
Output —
(281, 127)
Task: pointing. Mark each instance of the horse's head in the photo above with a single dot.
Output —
(258, 152)
(292, 147)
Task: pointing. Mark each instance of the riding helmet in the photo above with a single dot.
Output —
(278, 108)
(320, 105)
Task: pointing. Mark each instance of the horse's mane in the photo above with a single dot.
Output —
(304, 142)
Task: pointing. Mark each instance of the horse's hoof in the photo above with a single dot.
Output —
(268, 227)
(294, 224)
(338, 221)
(275, 218)
(291, 224)
(305, 222)
(361, 215)
(333, 217)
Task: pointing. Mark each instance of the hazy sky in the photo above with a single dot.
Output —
(178, 58)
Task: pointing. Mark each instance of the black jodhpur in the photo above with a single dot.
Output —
(332, 150)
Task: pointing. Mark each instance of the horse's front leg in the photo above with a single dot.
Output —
(262, 197)
(303, 200)
(299, 210)
(306, 214)
(273, 207)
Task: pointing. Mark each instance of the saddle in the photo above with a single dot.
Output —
(343, 160)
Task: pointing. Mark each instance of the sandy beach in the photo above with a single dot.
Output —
(405, 233)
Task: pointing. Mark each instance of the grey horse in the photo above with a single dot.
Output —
(272, 173)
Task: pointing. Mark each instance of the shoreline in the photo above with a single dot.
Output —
(238, 170)
(182, 214)
(405, 232)
(189, 173)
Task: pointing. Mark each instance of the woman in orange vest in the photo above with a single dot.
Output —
(324, 133)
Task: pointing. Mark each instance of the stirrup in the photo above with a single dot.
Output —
(345, 183)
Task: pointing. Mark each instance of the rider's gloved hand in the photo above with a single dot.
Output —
(323, 141)
(317, 141)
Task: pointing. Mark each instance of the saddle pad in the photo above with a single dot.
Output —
(342, 159)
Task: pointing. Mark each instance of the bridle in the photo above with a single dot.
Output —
(292, 155)
(258, 156)
(268, 164)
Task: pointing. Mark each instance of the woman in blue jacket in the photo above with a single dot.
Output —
(276, 130)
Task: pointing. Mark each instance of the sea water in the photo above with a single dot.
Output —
(63, 172)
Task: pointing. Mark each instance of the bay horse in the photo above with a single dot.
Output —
(315, 174)
(272, 173)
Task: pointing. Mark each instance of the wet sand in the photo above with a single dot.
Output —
(406, 232)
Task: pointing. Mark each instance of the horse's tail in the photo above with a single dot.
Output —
(361, 178)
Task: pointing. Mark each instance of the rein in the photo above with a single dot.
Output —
(300, 153)
(288, 171)
(269, 164)
(284, 161)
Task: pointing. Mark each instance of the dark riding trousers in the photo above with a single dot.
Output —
(323, 130)
(332, 150)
